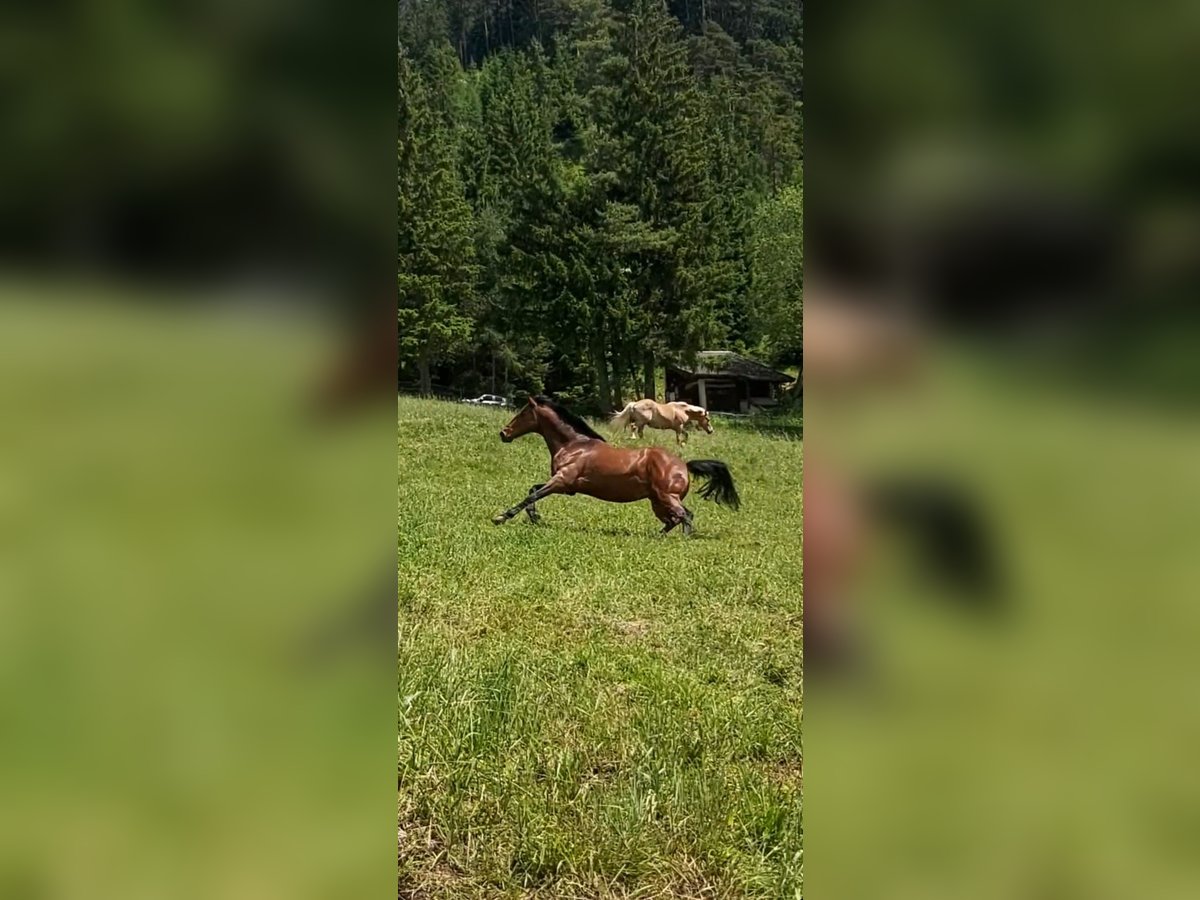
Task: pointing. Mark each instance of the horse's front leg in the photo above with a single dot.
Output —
(531, 509)
(553, 486)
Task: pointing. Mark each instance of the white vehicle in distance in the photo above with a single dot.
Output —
(486, 400)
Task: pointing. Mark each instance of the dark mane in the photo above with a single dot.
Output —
(569, 417)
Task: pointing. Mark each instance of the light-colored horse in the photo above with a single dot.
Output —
(674, 416)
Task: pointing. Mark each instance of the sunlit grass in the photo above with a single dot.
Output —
(587, 709)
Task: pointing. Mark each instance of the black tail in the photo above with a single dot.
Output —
(949, 530)
(720, 483)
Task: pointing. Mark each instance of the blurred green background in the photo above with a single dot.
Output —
(186, 710)
(197, 582)
(1018, 185)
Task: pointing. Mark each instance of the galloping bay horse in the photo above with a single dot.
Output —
(582, 463)
(674, 416)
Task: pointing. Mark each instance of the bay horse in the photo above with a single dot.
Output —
(581, 462)
(673, 416)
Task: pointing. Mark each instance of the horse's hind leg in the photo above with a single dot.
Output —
(664, 514)
(671, 513)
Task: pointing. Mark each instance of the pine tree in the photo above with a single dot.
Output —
(777, 289)
(653, 148)
(518, 187)
(435, 267)
(572, 217)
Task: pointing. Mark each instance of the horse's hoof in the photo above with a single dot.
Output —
(499, 520)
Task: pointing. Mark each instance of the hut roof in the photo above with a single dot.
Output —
(733, 365)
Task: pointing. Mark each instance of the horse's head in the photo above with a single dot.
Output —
(523, 422)
(699, 415)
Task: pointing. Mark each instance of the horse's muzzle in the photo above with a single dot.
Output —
(505, 438)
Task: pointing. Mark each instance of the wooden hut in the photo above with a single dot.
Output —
(724, 381)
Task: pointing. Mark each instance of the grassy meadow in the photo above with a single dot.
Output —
(586, 708)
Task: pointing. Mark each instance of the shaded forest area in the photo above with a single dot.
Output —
(589, 189)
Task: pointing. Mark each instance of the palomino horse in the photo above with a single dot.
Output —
(673, 416)
(582, 463)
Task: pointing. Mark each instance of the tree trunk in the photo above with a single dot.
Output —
(648, 386)
(618, 375)
(600, 364)
(426, 383)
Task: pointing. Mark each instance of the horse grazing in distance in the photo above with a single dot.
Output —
(674, 416)
(581, 462)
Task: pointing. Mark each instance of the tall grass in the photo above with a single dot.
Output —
(587, 709)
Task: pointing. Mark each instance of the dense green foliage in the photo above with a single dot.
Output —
(591, 188)
(587, 710)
